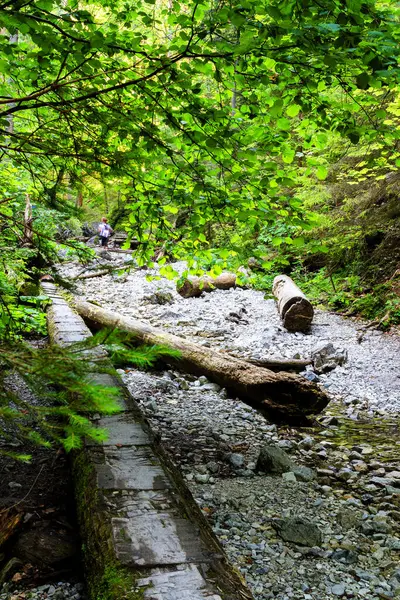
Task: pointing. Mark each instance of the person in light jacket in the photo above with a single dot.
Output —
(104, 231)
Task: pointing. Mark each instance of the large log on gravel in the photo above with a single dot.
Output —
(192, 287)
(295, 310)
(282, 397)
(278, 364)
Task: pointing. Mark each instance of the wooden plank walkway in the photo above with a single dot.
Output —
(143, 532)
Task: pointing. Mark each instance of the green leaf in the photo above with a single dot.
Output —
(288, 155)
(283, 123)
(293, 110)
(171, 209)
(277, 241)
(322, 172)
(267, 265)
(363, 81)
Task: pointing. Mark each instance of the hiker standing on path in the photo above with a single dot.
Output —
(104, 231)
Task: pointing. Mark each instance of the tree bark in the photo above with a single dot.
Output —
(294, 309)
(91, 275)
(28, 232)
(278, 364)
(118, 250)
(192, 287)
(282, 397)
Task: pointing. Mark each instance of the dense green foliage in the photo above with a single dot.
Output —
(204, 108)
(46, 397)
(218, 131)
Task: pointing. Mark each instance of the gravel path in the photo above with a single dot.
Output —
(329, 525)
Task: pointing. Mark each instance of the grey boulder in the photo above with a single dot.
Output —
(273, 459)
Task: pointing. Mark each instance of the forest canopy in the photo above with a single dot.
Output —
(206, 109)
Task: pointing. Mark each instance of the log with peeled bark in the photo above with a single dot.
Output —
(110, 249)
(278, 364)
(281, 397)
(192, 287)
(294, 309)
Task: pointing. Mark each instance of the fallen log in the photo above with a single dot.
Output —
(91, 275)
(294, 309)
(282, 397)
(110, 249)
(192, 287)
(278, 364)
(101, 272)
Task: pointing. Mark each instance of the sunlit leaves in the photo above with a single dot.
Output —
(322, 172)
(293, 110)
(203, 109)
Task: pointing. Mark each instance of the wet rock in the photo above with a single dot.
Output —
(273, 459)
(393, 543)
(330, 421)
(47, 545)
(338, 589)
(236, 460)
(345, 556)
(376, 525)
(311, 376)
(202, 477)
(345, 474)
(299, 531)
(306, 443)
(304, 473)
(347, 518)
(160, 297)
(286, 445)
(326, 357)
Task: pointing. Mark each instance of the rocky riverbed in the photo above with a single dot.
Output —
(308, 514)
(61, 590)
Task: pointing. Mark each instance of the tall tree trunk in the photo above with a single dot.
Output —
(28, 233)
(79, 198)
(106, 203)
